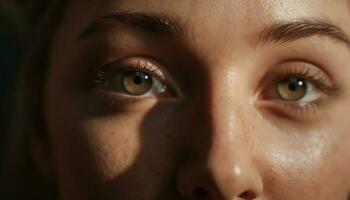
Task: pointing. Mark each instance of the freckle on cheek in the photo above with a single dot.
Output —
(115, 152)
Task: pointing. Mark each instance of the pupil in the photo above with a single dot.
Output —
(137, 79)
(294, 83)
(140, 77)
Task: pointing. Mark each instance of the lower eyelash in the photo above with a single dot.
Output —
(303, 109)
(111, 103)
(293, 110)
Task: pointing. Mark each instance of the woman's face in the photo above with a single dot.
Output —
(201, 99)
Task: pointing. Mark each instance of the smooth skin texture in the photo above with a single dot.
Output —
(219, 131)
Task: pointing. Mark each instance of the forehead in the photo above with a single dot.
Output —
(231, 7)
(220, 12)
(238, 22)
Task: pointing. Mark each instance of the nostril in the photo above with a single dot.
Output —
(200, 193)
(248, 195)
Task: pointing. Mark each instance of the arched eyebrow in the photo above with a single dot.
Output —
(286, 31)
(158, 24)
(283, 31)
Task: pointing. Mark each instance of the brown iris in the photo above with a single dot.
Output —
(292, 89)
(136, 82)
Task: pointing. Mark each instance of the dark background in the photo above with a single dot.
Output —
(14, 25)
(18, 18)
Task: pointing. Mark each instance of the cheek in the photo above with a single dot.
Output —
(307, 165)
(89, 153)
(111, 154)
(114, 144)
(132, 153)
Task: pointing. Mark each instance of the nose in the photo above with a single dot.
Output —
(222, 165)
(226, 174)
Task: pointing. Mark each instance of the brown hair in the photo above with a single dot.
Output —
(20, 178)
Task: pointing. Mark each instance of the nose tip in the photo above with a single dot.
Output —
(221, 162)
(226, 172)
(240, 181)
(215, 182)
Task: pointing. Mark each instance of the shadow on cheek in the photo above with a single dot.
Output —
(153, 174)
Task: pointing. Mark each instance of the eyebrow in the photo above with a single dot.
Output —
(158, 24)
(286, 31)
(283, 31)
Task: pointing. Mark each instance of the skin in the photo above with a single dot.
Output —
(217, 135)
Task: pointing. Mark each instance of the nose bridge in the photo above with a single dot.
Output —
(229, 161)
(227, 111)
(221, 165)
(228, 134)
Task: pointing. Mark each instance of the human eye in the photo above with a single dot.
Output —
(136, 83)
(298, 90)
(295, 89)
(133, 80)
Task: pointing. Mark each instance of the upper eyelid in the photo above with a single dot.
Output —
(151, 66)
(301, 69)
(319, 78)
(148, 65)
(142, 64)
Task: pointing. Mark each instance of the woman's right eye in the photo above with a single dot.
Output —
(136, 83)
(136, 77)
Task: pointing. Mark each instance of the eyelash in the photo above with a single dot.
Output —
(142, 65)
(296, 111)
(104, 72)
(318, 79)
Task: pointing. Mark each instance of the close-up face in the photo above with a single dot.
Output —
(200, 99)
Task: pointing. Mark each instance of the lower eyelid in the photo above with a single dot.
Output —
(119, 102)
(291, 110)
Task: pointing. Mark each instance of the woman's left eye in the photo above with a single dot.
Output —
(294, 89)
(135, 83)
